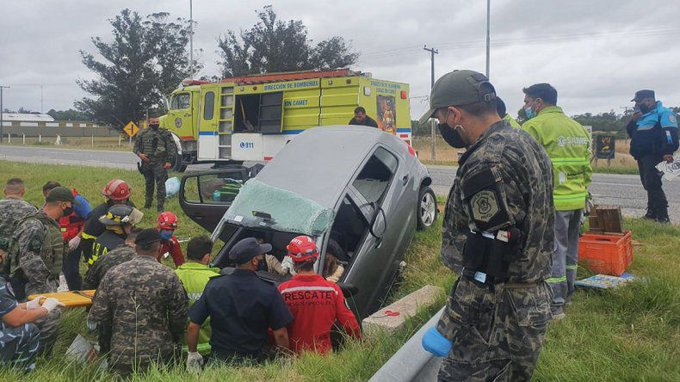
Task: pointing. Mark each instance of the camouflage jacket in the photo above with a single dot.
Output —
(12, 211)
(143, 305)
(158, 145)
(37, 249)
(95, 274)
(522, 172)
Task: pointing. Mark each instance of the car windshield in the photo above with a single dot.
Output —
(259, 205)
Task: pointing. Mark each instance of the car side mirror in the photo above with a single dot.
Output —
(379, 224)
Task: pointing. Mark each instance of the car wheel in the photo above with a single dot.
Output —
(179, 165)
(427, 208)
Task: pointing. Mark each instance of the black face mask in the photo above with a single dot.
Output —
(451, 136)
(68, 211)
(644, 109)
(155, 127)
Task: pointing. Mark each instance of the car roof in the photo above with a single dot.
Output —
(319, 162)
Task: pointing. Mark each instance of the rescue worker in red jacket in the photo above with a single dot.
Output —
(71, 227)
(316, 304)
(167, 224)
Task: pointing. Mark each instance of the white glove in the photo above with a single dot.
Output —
(194, 362)
(35, 303)
(73, 243)
(51, 303)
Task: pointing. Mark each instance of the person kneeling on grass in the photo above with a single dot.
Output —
(316, 303)
(19, 337)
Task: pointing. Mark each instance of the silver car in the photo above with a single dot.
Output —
(359, 192)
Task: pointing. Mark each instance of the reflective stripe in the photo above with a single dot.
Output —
(309, 288)
(579, 195)
(572, 267)
(572, 161)
(87, 236)
(556, 280)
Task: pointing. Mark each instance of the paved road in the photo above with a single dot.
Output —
(623, 190)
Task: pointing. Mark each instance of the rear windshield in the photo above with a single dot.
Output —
(259, 205)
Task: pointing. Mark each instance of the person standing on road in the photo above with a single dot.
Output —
(360, 118)
(498, 236)
(35, 257)
(116, 191)
(316, 304)
(71, 228)
(157, 150)
(653, 133)
(568, 146)
(140, 310)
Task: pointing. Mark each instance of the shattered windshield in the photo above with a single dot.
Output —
(261, 205)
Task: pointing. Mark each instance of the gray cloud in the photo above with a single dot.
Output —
(596, 53)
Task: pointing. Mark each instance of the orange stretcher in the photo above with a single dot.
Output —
(72, 299)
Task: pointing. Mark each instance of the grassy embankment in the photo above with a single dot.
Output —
(448, 156)
(629, 334)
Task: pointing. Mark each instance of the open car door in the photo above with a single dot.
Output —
(206, 196)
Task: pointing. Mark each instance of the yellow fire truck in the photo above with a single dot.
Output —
(251, 118)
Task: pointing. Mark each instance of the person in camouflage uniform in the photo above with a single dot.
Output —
(143, 306)
(36, 254)
(498, 237)
(13, 208)
(126, 252)
(157, 150)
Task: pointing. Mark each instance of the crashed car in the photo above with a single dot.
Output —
(358, 192)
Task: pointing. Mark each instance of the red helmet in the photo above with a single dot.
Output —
(167, 221)
(117, 190)
(302, 248)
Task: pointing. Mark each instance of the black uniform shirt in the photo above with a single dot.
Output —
(241, 308)
(368, 121)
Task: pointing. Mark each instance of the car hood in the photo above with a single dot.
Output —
(260, 205)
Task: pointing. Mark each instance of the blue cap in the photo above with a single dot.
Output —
(243, 251)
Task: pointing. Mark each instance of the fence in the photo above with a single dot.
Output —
(54, 129)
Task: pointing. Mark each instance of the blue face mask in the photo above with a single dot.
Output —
(529, 111)
(166, 235)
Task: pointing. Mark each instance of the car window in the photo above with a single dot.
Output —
(374, 179)
(213, 188)
(209, 107)
(349, 227)
(180, 101)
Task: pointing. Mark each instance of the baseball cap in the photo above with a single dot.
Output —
(147, 236)
(60, 194)
(246, 249)
(642, 94)
(460, 87)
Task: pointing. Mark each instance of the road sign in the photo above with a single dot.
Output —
(131, 129)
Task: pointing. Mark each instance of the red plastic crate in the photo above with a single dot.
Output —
(606, 254)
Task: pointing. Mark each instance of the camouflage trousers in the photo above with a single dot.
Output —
(48, 325)
(154, 173)
(19, 346)
(497, 335)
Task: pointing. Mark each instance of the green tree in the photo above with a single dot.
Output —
(145, 60)
(67, 115)
(274, 45)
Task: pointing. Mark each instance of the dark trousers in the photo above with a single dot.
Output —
(651, 181)
(155, 173)
(71, 269)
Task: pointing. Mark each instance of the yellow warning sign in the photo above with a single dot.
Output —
(131, 129)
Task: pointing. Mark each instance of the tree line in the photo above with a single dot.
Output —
(146, 58)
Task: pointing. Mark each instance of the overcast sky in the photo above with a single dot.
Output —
(596, 53)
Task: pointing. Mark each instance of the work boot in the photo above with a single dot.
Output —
(663, 218)
(651, 215)
(160, 208)
(147, 204)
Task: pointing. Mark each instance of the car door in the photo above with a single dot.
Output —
(206, 196)
(379, 253)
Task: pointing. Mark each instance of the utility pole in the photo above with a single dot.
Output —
(433, 51)
(191, 39)
(488, 35)
(41, 99)
(1, 111)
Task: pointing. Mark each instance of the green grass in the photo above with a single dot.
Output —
(629, 334)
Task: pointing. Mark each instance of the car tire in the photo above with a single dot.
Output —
(179, 165)
(426, 211)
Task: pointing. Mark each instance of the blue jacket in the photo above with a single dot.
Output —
(656, 132)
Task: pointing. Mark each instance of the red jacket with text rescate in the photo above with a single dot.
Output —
(316, 304)
(172, 246)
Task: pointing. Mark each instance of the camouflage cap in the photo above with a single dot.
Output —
(460, 87)
(60, 194)
(642, 94)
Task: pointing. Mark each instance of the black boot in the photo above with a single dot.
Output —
(662, 216)
(147, 204)
(651, 215)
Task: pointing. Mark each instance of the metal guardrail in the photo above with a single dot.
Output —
(411, 362)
